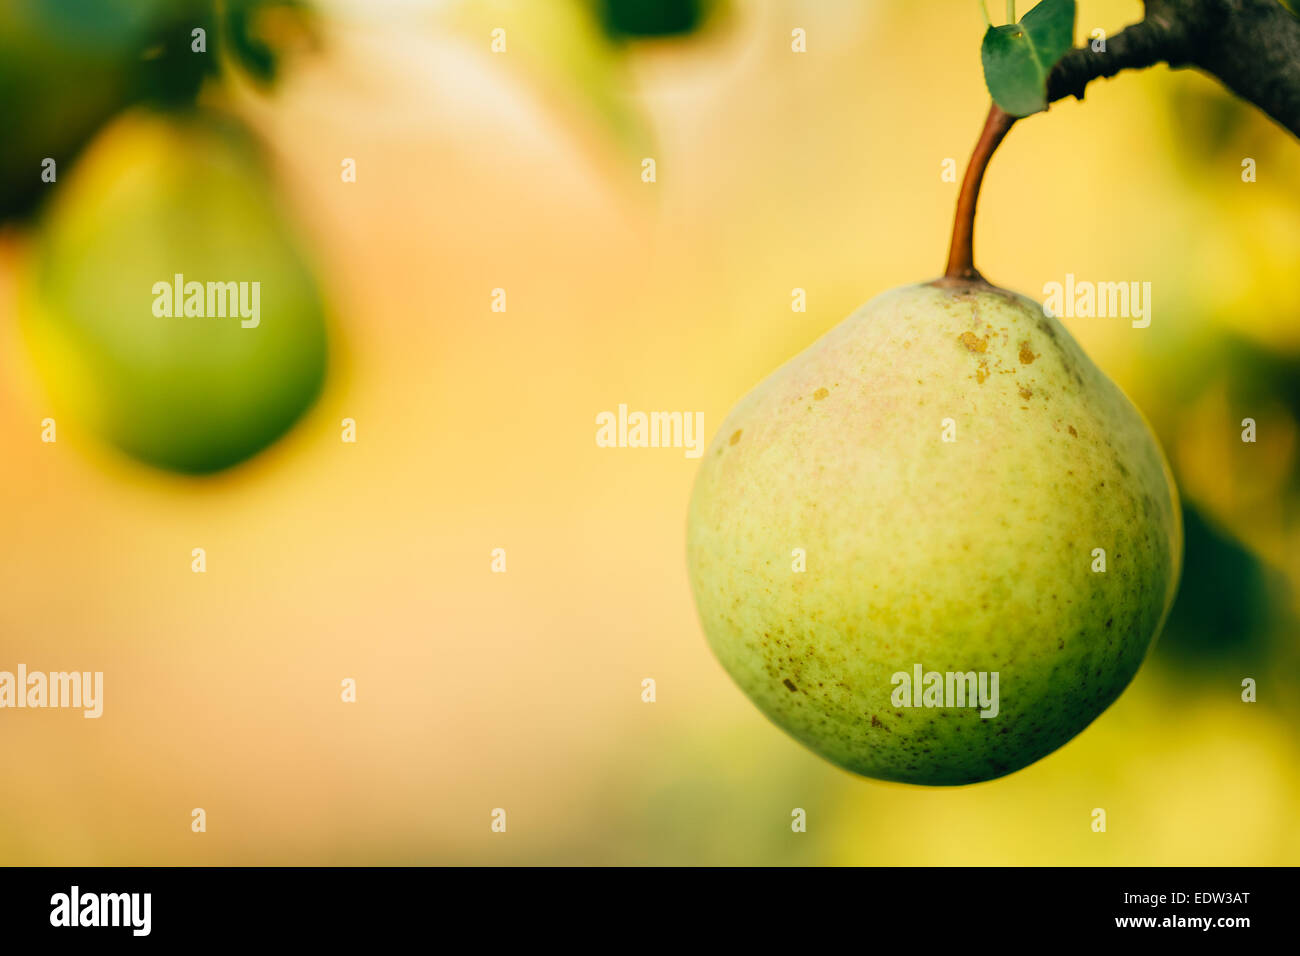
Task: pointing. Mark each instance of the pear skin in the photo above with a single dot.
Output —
(951, 466)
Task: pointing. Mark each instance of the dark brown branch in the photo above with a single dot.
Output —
(1251, 46)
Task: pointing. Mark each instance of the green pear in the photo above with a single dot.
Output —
(182, 382)
(943, 484)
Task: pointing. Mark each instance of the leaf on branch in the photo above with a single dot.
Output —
(1018, 56)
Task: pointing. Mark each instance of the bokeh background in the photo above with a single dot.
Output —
(522, 170)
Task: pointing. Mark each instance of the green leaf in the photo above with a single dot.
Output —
(1017, 57)
(1292, 5)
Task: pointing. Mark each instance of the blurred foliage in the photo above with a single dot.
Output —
(1251, 375)
(1210, 381)
(1257, 376)
(650, 18)
(566, 54)
(68, 66)
(258, 32)
(1229, 606)
(575, 52)
(1216, 127)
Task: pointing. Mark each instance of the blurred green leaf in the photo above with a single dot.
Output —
(1255, 375)
(1018, 56)
(88, 26)
(650, 18)
(255, 31)
(1229, 603)
(68, 66)
(171, 72)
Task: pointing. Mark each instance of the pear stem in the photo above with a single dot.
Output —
(961, 254)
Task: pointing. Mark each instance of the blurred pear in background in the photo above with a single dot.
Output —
(154, 198)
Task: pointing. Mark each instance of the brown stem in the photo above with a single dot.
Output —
(961, 256)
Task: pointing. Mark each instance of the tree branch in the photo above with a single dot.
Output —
(1251, 46)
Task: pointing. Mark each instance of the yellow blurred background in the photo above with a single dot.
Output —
(475, 430)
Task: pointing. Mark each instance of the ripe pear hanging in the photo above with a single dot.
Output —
(954, 469)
